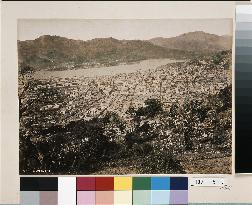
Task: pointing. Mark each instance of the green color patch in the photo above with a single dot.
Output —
(141, 183)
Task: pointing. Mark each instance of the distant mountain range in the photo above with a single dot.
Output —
(55, 52)
(198, 41)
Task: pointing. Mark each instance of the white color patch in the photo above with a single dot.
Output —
(67, 191)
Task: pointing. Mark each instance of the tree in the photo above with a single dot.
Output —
(151, 109)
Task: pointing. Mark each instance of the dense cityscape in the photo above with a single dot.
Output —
(138, 107)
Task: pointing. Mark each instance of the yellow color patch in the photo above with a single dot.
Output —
(122, 183)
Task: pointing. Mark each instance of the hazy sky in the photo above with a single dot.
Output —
(120, 29)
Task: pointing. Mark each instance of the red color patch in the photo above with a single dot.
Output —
(104, 183)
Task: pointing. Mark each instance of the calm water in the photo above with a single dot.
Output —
(102, 71)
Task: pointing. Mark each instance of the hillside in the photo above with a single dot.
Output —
(198, 41)
(54, 52)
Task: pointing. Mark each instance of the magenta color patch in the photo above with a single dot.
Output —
(85, 183)
(86, 198)
(178, 197)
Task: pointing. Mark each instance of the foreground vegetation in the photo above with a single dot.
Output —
(157, 143)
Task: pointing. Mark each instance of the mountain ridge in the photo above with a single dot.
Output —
(196, 41)
(54, 52)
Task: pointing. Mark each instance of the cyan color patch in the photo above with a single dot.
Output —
(160, 183)
(141, 197)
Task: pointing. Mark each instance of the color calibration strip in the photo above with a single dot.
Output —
(120, 190)
(243, 89)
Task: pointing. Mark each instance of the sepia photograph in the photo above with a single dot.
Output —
(125, 96)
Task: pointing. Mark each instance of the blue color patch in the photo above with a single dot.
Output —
(160, 197)
(178, 183)
(160, 183)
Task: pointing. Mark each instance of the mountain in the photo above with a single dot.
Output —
(55, 52)
(198, 41)
(60, 53)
